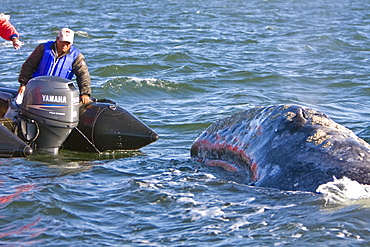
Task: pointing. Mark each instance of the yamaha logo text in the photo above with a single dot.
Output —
(54, 98)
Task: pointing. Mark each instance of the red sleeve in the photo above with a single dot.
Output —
(7, 29)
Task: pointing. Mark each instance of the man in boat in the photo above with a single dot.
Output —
(8, 31)
(58, 58)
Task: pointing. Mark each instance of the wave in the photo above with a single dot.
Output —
(142, 87)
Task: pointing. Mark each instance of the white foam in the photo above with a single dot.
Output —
(153, 82)
(240, 223)
(213, 212)
(343, 190)
(187, 200)
(244, 220)
(82, 34)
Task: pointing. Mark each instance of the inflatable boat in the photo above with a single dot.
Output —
(51, 117)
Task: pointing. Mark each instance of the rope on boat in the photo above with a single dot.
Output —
(87, 139)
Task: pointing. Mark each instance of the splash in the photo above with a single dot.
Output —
(343, 190)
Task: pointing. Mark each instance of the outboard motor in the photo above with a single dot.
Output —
(49, 112)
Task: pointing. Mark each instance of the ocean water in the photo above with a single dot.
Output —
(179, 66)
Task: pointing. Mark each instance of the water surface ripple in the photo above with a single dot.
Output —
(179, 66)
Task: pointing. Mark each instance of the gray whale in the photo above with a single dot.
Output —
(287, 147)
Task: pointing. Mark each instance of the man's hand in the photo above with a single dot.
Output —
(16, 43)
(85, 99)
(19, 98)
(21, 89)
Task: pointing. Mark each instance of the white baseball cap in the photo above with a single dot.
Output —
(66, 34)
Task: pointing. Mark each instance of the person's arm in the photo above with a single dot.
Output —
(8, 32)
(31, 65)
(81, 71)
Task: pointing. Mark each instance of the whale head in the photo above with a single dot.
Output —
(287, 147)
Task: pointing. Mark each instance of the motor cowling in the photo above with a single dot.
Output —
(49, 111)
